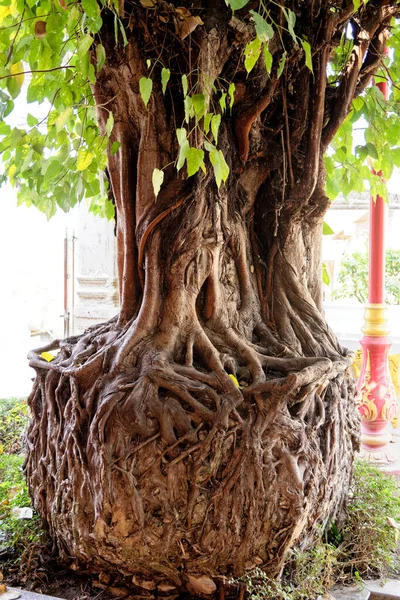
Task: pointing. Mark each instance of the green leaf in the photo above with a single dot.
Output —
(221, 169)
(13, 87)
(122, 29)
(183, 147)
(184, 85)
(165, 75)
(194, 159)
(361, 152)
(371, 149)
(282, 63)
(91, 8)
(215, 123)
(326, 229)
(267, 59)
(236, 4)
(291, 21)
(325, 276)
(231, 94)
(183, 152)
(100, 56)
(188, 106)
(181, 135)
(207, 122)
(356, 4)
(145, 87)
(263, 29)
(84, 45)
(358, 103)
(63, 118)
(31, 120)
(222, 102)
(110, 123)
(84, 159)
(157, 180)
(109, 209)
(115, 147)
(251, 54)
(307, 52)
(199, 105)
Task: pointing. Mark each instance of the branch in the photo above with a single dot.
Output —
(37, 71)
(346, 91)
(245, 120)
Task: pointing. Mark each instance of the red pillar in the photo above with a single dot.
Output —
(377, 401)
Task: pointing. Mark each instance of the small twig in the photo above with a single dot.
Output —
(37, 71)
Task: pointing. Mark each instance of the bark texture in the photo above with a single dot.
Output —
(145, 458)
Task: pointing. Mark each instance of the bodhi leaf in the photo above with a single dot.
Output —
(325, 275)
(236, 4)
(267, 59)
(207, 122)
(165, 75)
(84, 159)
(326, 229)
(145, 88)
(231, 94)
(263, 29)
(251, 54)
(307, 52)
(221, 169)
(199, 105)
(110, 124)
(282, 63)
(215, 123)
(194, 160)
(157, 180)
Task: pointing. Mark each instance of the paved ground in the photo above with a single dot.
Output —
(30, 595)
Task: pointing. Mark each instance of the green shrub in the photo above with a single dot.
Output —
(363, 547)
(352, 280)
(13, 421)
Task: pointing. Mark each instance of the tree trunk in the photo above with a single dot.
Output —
(145, 456)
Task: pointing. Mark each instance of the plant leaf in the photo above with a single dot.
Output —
(325, 275)
(184, 85)
(221, 169)
(165, 75)
(251, 54)
(307, 52)
(100, 56)
(267, 59)
(110, 123)
(157, 180)
(145, 87)
(236, 4)
(199, 105)
(84, 159)
(215, 123)
(282, 63)
(326, 229)
(207, 122)
(231, 94)
(194, 158)
(264, 30)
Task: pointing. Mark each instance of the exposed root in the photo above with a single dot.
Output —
(151, 468)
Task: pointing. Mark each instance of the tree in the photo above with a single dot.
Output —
(212, 424)
(353, 277)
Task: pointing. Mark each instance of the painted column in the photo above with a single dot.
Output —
(377, 400)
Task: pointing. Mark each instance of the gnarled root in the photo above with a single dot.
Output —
(163, 470)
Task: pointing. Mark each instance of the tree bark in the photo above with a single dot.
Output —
(145, 457)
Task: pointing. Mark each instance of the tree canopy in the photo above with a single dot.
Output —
(53, 51)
